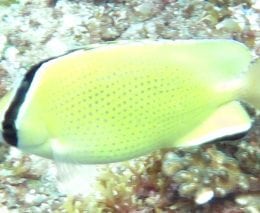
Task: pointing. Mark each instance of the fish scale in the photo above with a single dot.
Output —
(119, 101)
(142, 108)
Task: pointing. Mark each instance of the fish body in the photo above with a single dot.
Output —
(123, 100)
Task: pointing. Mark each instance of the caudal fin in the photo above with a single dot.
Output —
(252, 87)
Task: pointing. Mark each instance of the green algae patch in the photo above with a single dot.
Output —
(7, 3)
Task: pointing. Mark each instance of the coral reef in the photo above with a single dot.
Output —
(248, 151)
(248, 157)
(177, 181)
(249, 202)
(26, 182)
(200, 171)
(212, 178)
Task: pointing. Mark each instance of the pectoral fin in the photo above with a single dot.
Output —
(72, 177)
(230, 119)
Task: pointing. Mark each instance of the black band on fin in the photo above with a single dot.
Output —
(234, 137)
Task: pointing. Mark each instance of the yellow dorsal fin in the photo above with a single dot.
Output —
(228, 120)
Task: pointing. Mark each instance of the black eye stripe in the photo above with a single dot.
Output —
(8, 124)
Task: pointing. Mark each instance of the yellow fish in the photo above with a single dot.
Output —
(118, 101)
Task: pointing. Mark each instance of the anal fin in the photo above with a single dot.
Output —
(230, 119)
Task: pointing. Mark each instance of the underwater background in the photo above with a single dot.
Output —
(225, 174)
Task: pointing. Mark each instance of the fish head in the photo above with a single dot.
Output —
(22, 132)
(5, 102)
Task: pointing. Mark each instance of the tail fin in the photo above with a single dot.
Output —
(252, 86)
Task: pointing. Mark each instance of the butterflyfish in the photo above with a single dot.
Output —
(117, 101)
